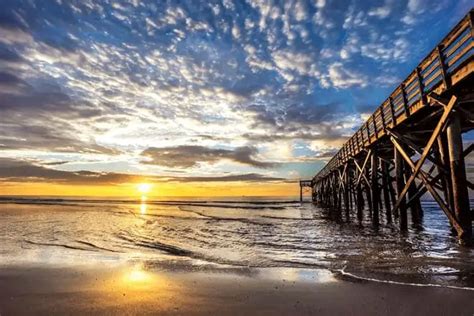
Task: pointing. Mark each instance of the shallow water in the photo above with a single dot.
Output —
(196, 233)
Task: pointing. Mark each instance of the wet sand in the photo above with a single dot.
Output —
(134, 290)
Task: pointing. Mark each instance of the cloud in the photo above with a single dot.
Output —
(12, 36)
(343, 77)
(417, 5)
(415, 10)
(298, 115)
(190, 156)
(250, 177)
(320, 4)
(39, 119)
(236, 31)
(300, 11)
(13, 170)
(354, 19)
(300, 63)
(383, 11)
(398, 50)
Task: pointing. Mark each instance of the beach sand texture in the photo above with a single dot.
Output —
(127, 291)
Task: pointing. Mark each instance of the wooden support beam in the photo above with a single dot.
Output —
(386, 192)
(405, 101)
(441, 124)
(444, 73)
(367, 130)
(346, 190)
(382, 115)
(400, 184)
(368, 191)
(422, 175)
(414, 202)
(342, 176)
(301, 193)
(421, 87)
(446, 179)
(436, 98)
(360, 203)
(391, 190)
(374, 189)
(458, 177)
(422, 189)
(350, 190)
(392, 112)
(374, 123)
(416, 148)
(361, 169)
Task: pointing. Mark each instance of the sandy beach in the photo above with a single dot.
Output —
(130, 290)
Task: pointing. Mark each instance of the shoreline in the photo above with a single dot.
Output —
(136, 289)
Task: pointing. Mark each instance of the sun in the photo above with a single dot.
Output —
(144, 188)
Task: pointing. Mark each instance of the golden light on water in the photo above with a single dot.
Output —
(143, 188)
(137, 276)
(143, 208)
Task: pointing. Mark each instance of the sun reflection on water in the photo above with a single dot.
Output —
(137, 276)
(143, 208)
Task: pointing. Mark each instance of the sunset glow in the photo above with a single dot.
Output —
(208, 99)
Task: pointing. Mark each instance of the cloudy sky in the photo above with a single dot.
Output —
(243, 93)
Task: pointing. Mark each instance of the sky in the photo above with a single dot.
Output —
(196, 97)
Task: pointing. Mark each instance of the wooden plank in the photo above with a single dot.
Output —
(433, 77)
(448, 51)
(460, 55)
(429, 64)
(456, 31)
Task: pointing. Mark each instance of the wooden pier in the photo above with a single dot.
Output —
(411, 145)
(305, 185)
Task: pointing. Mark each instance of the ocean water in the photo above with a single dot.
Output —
(240, 233)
